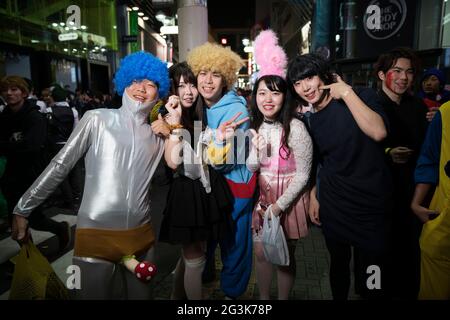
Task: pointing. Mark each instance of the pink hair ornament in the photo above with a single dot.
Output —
(269, 56)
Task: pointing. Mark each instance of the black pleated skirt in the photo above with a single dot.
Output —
(193, 215)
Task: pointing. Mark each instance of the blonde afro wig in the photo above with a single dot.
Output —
(215, 58)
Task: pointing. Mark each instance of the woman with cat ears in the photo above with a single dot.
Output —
(282, 154)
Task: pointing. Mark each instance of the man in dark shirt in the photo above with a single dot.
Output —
(407, 114)
(347, 128)
(62, 119)
(23, 133)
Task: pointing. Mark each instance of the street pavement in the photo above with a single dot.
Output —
(311, 257)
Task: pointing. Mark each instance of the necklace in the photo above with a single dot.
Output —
(269, 149)
(268, 143)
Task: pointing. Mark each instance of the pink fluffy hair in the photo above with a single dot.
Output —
(269, 56)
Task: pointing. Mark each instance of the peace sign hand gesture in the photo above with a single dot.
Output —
(226, 130)
(258, 141)
(339, 89)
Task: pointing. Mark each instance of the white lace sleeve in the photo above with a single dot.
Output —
(193, 165)
(252, 160)
(301, 145)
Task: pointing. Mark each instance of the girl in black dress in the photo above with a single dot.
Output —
(353, 184)
(194, 212)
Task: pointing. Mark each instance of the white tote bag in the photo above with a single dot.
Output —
(274, 243)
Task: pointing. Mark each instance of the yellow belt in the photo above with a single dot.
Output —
(112, 245)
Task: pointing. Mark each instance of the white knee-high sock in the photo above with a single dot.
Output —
(178, 292)
(193, 277)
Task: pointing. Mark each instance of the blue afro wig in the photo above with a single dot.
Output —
(139, 66)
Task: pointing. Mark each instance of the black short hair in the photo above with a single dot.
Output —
(308, 65)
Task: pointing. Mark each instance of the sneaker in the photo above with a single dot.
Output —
(66, 236)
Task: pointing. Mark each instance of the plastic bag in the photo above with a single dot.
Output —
(34, 278)
(274, 242)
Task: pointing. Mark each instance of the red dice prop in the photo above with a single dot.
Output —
(145, 271)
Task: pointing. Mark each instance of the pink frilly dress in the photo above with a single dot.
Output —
(274, 178)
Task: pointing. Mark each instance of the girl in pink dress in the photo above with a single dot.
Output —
(282, 154)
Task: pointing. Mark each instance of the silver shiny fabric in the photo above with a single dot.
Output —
(121, 155)
(103, 280)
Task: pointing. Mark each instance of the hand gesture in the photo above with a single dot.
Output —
(226, 130)
(339, 89)
(160, 127)
(258, 141)
(400, 155)
(19, 230)
(173, 105)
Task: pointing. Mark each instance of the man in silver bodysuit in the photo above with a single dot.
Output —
(121, 154)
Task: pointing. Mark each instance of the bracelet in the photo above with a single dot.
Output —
(176, 135)
(175, 126)
(176, 132)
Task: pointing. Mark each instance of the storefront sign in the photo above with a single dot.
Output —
(384, 18)
(382, 25)
(97, 57)
(169, 30)
(134, 30)
(131, 38)
(68, 36)
(93, 39)
(74, 19)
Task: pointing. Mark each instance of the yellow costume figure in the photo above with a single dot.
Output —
(435, 237)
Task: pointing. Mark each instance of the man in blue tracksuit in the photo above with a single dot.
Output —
(216, 68)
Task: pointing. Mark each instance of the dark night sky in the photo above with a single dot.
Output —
(231, 13)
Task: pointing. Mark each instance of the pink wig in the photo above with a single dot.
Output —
(269, 56)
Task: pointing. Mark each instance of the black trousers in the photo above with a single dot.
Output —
(404, 259)
(368, 265)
